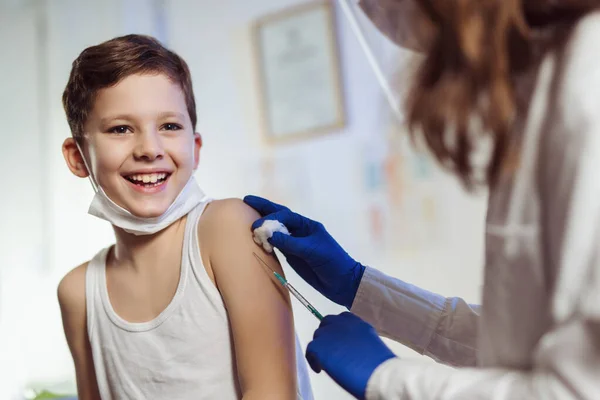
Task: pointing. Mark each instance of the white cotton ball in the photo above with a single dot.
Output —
(263, 233)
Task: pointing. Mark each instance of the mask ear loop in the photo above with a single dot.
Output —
(91, 177)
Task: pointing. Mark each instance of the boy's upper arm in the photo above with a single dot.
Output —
(259, 310)
(71, 298)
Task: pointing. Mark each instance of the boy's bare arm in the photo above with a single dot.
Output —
(71, 297)
(259, 311)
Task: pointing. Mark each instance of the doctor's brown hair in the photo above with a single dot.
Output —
(464, 88)
(106, 64)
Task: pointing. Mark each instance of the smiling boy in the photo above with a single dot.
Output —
(177, 308)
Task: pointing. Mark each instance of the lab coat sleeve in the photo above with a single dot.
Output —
(566, 361)
(444, 329)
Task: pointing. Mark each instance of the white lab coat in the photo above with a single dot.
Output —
(537, 334)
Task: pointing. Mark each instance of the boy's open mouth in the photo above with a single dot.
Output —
(148, 180)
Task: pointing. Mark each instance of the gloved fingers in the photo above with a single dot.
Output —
(326, 321)
(296, 224)
(352, 321)
(330, 328)
(263, 206)
(304, 270)
(340, 324)
(348, 316)
(312, 357)
(289, 245)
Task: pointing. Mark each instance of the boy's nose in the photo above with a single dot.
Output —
(149, 146)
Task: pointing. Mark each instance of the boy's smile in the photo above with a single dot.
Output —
(148, 181)
(140, 143)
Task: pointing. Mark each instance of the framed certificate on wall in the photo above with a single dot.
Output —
(298, 70)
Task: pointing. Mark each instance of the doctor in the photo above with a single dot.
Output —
(527, 73)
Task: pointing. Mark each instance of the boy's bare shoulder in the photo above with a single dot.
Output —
(228, 213)
(225, 223)
(71, 289)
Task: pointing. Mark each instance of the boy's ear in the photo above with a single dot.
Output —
(74, 158)
(197, 146)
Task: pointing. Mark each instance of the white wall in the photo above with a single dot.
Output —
(20, 152)
(45, 230)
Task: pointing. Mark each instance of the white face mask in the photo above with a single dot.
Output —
(103, 207)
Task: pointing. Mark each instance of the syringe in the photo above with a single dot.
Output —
(291, 289)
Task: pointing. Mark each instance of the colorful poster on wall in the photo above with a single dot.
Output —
(401, 194)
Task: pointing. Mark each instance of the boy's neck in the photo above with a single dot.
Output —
(149, 251)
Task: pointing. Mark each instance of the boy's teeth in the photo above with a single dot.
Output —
(148, 178)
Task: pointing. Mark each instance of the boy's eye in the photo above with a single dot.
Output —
(172, 127)
(119, 130)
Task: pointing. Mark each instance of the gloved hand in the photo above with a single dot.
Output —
(349, 350)
(312, 252)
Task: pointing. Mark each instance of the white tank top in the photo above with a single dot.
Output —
(186, 352)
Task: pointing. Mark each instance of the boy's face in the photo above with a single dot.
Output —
(140, 144)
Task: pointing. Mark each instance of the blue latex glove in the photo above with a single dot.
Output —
(312, 252)
(349, 350)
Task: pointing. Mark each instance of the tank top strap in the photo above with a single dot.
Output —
(193, 259)
(190, 240)
(93, 300)
(193, 218)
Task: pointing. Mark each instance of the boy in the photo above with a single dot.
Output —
(178, 307)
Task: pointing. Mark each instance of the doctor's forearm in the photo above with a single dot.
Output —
(444, 329)
(565, 367)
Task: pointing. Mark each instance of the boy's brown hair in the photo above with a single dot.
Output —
(106, 64)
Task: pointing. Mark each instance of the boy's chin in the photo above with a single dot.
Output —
(154, 211)
(149, 209)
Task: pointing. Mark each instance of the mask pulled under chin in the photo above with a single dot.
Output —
(103, 207)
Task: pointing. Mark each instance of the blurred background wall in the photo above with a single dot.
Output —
(386, 204)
